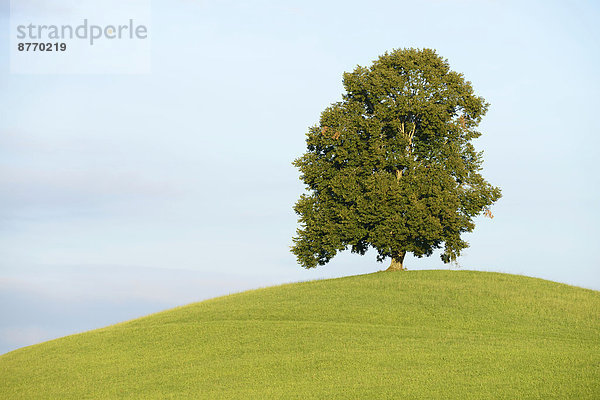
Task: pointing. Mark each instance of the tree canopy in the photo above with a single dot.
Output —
(392, 165)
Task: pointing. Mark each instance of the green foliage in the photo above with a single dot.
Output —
(421, 335)
(392, 166)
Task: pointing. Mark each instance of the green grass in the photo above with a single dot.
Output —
(402, 335)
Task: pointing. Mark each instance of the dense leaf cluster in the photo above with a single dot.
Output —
(392, 166)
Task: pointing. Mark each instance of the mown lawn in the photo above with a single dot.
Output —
(417, 334)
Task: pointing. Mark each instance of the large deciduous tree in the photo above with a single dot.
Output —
(392, 166)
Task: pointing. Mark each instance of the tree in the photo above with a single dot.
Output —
(392, 166)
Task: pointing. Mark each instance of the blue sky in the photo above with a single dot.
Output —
(122, 195)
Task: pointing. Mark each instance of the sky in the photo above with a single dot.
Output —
(123, 194)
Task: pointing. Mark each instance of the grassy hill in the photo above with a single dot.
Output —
(418, 334)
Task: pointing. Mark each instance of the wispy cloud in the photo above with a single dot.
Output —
(45, 177)
(15, 337)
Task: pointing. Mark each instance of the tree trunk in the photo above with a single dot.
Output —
(397, 261)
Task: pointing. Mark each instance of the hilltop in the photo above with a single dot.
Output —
(417, 334)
